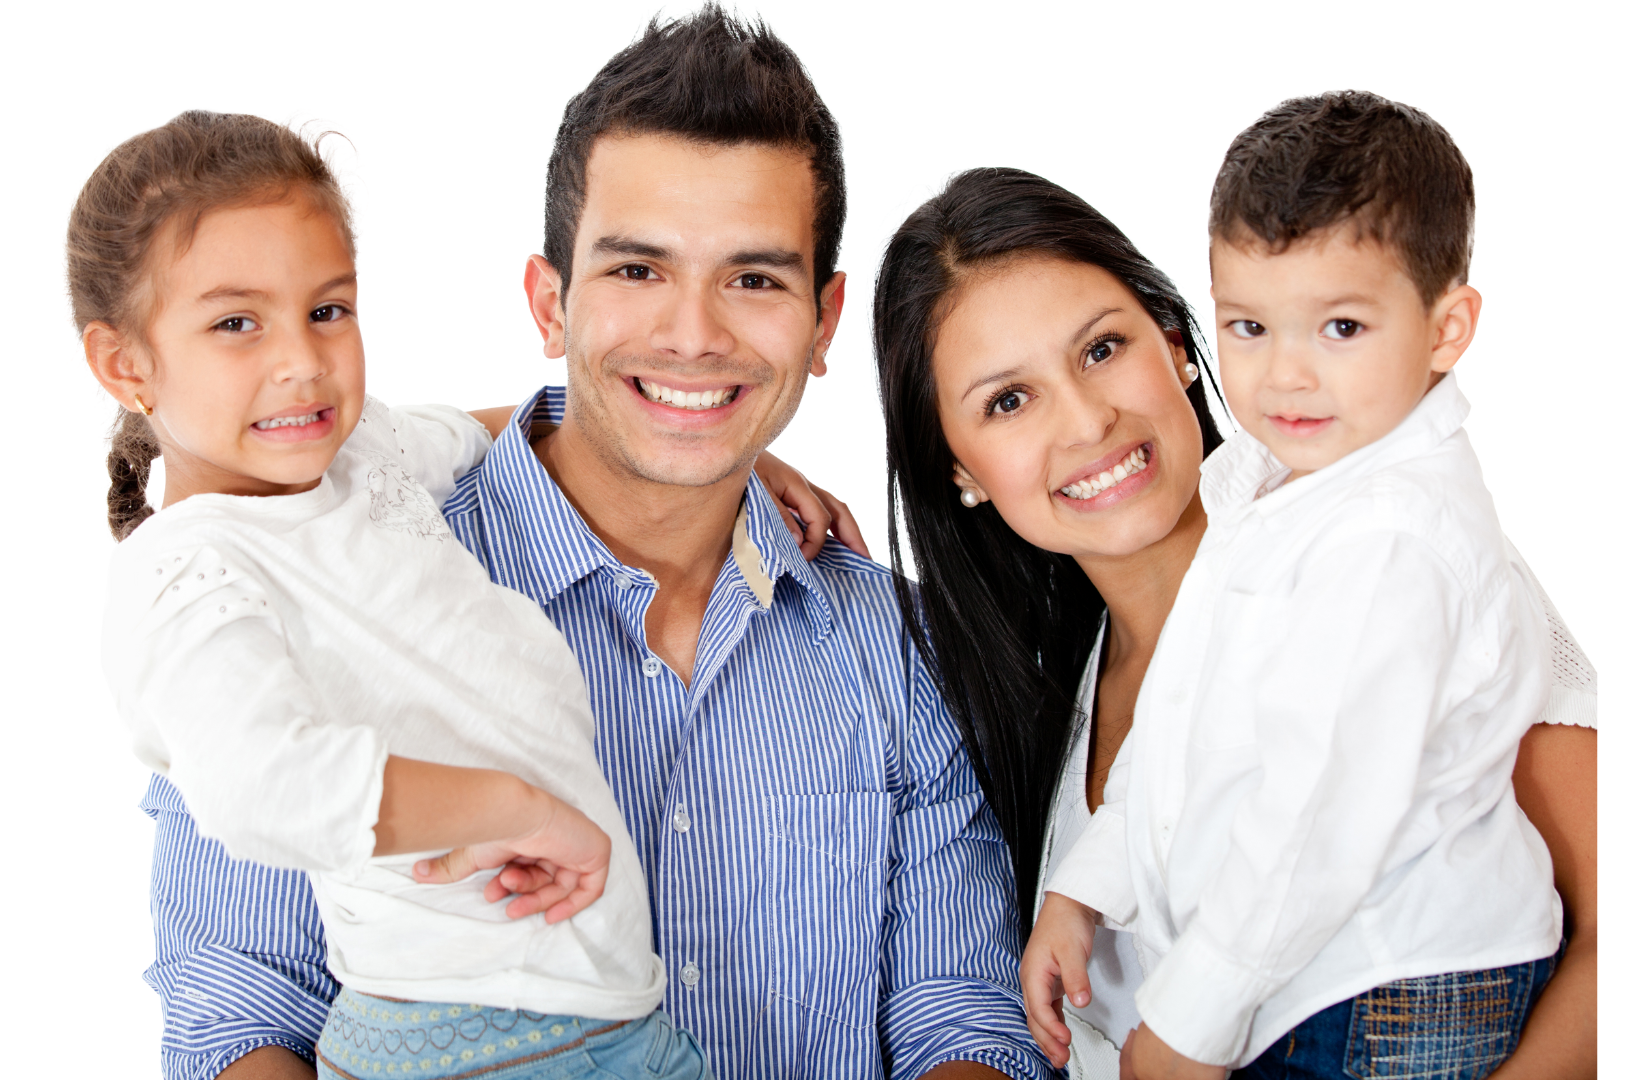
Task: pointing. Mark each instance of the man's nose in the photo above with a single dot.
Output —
(692, 325)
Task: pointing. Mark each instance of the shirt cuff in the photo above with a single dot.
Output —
(1095, 872)
(1200, 1002)
(1575, 708)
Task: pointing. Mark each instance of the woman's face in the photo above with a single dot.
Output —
(1064, 404)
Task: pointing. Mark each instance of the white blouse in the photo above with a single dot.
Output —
(1115, 969)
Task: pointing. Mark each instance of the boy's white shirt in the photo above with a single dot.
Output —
(1316, 795)
(269, 653)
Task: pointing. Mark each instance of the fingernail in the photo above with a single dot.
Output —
(423, 867)
(1081, 998)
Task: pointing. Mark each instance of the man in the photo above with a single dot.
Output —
(831, 897)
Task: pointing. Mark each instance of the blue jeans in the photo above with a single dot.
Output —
(1458, 1026)
(367, 1036)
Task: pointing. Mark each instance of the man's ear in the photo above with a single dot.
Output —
(542, 283)
(833, 302)
(1454, 318)
(124, 371)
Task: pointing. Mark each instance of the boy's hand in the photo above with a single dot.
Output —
(809, 512)
(559, 868)
(1146, 1057)
(1056, 960)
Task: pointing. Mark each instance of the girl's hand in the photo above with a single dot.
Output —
(559, 867)
(1147, 1057)
(809, 512)
(1056, 960)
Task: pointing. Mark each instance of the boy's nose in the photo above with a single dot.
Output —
(1290, 368)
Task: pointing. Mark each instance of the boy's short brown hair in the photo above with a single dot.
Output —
(1351, 156)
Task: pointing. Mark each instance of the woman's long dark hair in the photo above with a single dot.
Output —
(1007, 627)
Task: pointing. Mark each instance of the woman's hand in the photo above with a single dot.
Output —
(559, 866)
(809, 512)
(1056, 960)
(1147, 1057)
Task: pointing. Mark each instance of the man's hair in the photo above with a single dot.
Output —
(1352, 157)
(710, 78)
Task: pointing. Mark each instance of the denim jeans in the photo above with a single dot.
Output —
(367, 1036)
(1458, 1026)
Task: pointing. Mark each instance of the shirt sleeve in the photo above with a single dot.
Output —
(201, 668)
(1096, 871)
(950, 970)
(238, 950)
(1340, 715)
(439, 444)
(1573, 692)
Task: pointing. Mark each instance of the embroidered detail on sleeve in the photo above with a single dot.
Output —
(399, 502)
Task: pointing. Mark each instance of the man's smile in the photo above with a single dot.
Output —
(692, 400)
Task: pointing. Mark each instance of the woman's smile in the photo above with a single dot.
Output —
(1110, 479)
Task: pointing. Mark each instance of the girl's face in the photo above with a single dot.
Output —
(1064, 404)
(254, 360)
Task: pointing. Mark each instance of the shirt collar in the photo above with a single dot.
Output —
(561, 550)
(1234, 475)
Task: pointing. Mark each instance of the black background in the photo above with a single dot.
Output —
(454, 121)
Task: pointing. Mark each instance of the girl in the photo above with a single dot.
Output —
(297, 637)
(1016, 326)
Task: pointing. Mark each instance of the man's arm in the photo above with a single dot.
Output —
(239, 956)
(950, 969)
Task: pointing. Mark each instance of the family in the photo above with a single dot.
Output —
(554, 741)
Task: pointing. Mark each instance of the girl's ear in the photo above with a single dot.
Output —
(124, 371)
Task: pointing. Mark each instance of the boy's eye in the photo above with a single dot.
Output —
(237, 324)
(1341, 328)
(1246, 328)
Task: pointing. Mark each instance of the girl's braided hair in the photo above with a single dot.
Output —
(175, 174)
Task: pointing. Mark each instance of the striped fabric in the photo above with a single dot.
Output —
(830, 895)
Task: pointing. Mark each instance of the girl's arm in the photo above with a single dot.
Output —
(494, 419)
(1556, 782)
(809, 512)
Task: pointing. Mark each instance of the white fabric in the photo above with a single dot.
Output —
(269, 653)
(1315, 797)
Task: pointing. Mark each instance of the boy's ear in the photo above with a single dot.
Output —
(124, 371)
(542, 283)
(1454, 318)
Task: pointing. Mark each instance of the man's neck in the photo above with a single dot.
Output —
(679, 535)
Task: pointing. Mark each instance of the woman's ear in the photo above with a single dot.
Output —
(542, 283)
(122, 368)
(970, 493)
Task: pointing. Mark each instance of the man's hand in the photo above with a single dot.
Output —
(559, 867)
(1056, 960)
(1146, 1057)
(809, 512)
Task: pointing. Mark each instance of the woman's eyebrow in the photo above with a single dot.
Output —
(997, 376)
(1083, 330)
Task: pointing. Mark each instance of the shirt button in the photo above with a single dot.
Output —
(690, 974)
(622, 582)
(682, 819)
(651, 666)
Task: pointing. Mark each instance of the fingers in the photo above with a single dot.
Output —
(457, 865)
(1043, 1015)
(1125, 1060)
(583, 892)
(844, 524)
(1074, 980)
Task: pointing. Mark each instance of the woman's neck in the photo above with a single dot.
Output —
(1139, 588)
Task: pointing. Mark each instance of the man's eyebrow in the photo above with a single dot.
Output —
(770, 258)
(1010, 373)
(629, 247)
(239, 292)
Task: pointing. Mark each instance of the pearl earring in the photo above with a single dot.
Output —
(1191, 372)
(969, 499)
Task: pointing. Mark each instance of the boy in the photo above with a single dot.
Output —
(1317, 843)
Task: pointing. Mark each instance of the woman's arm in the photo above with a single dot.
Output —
(1556, 782)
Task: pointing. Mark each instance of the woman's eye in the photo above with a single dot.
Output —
(1341, 328)
(1246, 328)
(328, 313)
(635, 273)
(1008, 401)
(237, 324)
(1101, 351)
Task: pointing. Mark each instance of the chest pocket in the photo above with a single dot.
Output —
(826, 862)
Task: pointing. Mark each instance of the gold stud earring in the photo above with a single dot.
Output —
(147, 410)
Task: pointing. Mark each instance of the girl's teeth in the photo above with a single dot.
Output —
(683, 399)
(287, 421)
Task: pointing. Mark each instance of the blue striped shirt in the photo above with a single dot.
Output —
(831, 895)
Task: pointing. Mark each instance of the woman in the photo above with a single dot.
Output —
(1025, 346)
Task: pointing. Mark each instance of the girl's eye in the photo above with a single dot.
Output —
(1007, 401)
(237, 324)
(634, 273)
(328, 313)
(1246, 328)
(1341, 328)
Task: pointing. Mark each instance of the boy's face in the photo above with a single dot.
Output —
(1327, 346)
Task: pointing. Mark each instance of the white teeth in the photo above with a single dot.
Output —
(287, 421)
(1088, 488)
(695, 400)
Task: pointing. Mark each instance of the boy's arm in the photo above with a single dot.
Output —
(495, 419)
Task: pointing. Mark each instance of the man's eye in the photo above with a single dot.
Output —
(328, 313)
(635, 273)
(755, 281)
(237, 324)
(1341, 328)
(1246, 328)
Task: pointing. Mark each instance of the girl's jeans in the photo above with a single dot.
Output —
(369, 1036)
(1458, 1026)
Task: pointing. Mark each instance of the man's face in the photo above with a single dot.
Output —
(691, 320)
